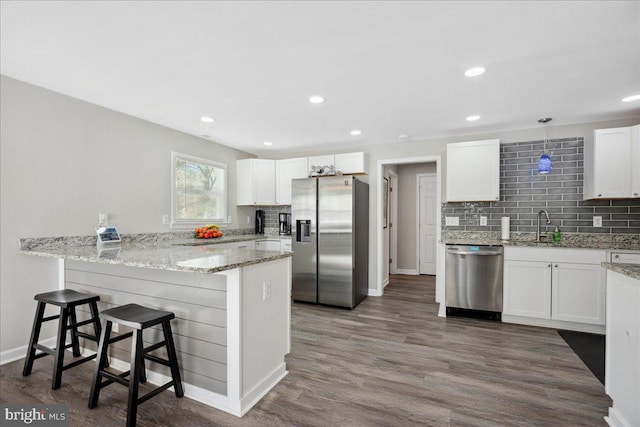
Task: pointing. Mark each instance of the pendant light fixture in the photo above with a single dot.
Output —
(544, 163)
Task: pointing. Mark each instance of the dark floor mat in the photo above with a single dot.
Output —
(590, 348)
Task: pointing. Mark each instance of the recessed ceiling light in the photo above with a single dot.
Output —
(207, 119)
(316, 99)
(473, 118)
(403, 136)
(475, 71)
(268, 143)
(356, 132)
(631, 98)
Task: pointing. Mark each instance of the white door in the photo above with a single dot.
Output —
(578, 293)
(393, 226)
(527, 289)
(427, 224)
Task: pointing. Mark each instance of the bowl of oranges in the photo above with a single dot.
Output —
(209, 231)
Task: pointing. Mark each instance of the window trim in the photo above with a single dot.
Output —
(185, 224)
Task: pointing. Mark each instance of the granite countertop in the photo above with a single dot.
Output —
(179, 253)
(631, 270)
(569, 240)
(190, 241)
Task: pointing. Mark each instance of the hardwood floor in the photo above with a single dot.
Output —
(389, 362)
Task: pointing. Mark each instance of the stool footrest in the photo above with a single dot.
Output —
(120, 337)
(79, 361)
(157, 359)
(119, 378)
(46, 319)
(87, 336)
(45, 350)
(154, 347)
(75, 325)
(155, 392)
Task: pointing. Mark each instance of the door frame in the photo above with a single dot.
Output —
(393, 220)
(378, 290)
(418, 176)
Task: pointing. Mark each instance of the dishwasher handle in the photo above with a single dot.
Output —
(475, 253)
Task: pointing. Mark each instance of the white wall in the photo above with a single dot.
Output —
(63, 161)
(437, 146)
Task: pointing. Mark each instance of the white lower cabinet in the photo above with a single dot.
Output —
(561, 287)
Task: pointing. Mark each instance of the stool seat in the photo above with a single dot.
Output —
(66, 297)
(136, 316)
(67, 300)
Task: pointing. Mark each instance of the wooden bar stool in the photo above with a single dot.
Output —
(138, 318)
(67, 300)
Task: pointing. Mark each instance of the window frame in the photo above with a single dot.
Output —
(177, 223)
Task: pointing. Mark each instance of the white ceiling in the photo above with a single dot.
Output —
(385, 67)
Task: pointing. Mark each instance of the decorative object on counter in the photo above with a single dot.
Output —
(209, 231)
(505, 223)
(544, 163)
(284, 223)
(556, 235)
(323, 171)
(260, 218)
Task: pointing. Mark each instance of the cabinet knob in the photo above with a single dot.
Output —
(616, 256)
(599, 195)
(556, 266)
(548, 265)
(635, 194)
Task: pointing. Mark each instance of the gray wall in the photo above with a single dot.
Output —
(63, 161)
(523, 192)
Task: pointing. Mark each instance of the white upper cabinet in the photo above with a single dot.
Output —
(256, 182)
(612, 164)
(350, 163)
(328, 160)
(286, 170)
(473, 171)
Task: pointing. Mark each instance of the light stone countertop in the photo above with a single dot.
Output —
(175, 254)
(569, 240)
(631, 270)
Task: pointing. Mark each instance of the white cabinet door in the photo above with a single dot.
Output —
(350, 163)
(255, 182)
(527, 289)
(268, 245)
(635, 161)
(246, 244)
(612, 163)
(327, 160)
(286, 170)
(473, 171)
(578, 293)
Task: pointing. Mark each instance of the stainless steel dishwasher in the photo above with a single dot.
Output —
(474, 278)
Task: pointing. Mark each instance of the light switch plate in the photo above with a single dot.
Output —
(597, 221)
(452, 220)
(103, 220)
(483, 220)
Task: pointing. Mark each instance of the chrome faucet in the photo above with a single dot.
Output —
(538, 237)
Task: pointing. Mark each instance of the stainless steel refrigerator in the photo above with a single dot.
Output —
(330, 238)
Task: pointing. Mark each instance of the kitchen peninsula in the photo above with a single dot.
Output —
(232, 306)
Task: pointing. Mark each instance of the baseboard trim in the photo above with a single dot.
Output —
(407, 271)
(374, 293)
(616, 419)
(18, 353)
(555, 324)
(385, 282)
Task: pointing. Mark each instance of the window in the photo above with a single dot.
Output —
(199, 190)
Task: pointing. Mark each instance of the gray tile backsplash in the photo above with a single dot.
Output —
(523, 192)
(271, 214)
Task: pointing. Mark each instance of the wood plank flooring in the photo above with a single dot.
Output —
(389, 362)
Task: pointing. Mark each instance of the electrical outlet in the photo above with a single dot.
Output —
(165, 219)
(597, 221)
(103, 219)
(266, 290)
(452, 220)
(483, 220)
(229, 219)
(248, 219)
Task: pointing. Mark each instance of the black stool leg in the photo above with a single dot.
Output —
(35, 335)
(173, 358)
(59, 357)
(97, 327)
(101, 363)
(74, 332)
(137, 357)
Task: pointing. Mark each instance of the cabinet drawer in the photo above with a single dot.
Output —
(625, 257)
(578, 256)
